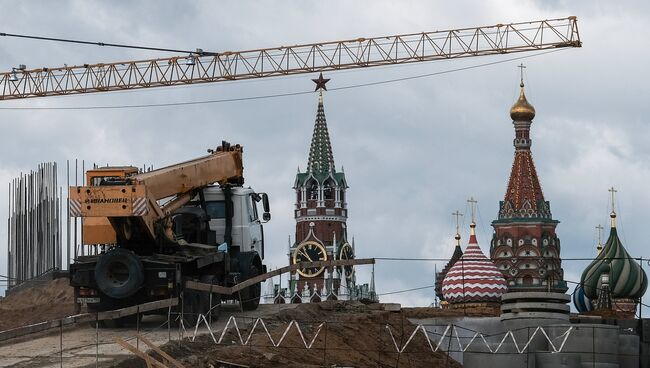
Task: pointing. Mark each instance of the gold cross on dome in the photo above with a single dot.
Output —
(599, 246)
(521, 70)
(458, 215)
(599, 228)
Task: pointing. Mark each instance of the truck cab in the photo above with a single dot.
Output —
(246, 230)
(232, 217)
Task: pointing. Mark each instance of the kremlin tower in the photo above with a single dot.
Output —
(321, 233)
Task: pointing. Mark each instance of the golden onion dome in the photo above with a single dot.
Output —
(522, 110)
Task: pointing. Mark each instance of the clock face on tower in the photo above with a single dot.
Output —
(309, 251)
(346, 252)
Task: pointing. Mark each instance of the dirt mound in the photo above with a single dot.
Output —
(45, 301)
(353, 335)
(438, 312)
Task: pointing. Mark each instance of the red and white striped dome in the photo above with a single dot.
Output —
(473, 278)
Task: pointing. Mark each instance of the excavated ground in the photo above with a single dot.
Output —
(45, 301)
(355, 336)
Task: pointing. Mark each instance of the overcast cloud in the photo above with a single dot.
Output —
(413, 151)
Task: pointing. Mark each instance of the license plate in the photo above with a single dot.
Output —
(87, 300)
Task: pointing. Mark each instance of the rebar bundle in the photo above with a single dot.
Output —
(34, 224)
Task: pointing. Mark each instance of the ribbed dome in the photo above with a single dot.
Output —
(473, 278)
(522, 110)
(441, 275)
(627, 280)
(580, 300)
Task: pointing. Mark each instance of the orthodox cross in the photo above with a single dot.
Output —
(472, 205)
(613, 191)
(521, 70)
(458, 215)
(599, 247)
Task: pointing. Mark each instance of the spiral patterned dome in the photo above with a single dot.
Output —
(473, 278)
(580, 300)
(627, 280)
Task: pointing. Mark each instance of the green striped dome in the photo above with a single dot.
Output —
(627, 280)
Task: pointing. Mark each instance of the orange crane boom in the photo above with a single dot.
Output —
(136, 196)
(201, 67)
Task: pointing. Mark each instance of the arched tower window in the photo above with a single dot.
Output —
(328, 190)
(312, 190)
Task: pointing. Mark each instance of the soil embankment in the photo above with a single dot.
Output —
(45, 301)
(354, 335)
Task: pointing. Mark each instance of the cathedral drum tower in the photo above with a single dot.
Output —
(321, 213)
(525, 247)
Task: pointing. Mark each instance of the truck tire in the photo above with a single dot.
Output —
(250, 296)
(119, 273)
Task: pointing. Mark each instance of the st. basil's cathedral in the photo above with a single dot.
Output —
(523, 276)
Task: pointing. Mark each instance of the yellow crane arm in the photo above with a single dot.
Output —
(203, 67)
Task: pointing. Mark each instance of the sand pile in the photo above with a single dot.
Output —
(44, 301)
(355, 336)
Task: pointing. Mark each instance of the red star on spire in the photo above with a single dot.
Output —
(320, 82)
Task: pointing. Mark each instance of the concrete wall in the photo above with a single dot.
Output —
(587, 345)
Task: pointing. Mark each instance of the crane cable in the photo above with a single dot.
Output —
(201, 53)
(258, 97)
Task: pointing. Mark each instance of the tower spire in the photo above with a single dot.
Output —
(321, 159)
(524, 197)
(525, 216)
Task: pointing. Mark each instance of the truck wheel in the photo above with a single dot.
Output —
(119, 273)
(250, 297)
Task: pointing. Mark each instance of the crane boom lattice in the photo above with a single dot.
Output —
(287, 60)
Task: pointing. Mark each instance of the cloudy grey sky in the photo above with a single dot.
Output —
(413, 151)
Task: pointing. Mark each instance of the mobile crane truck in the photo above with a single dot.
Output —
(189, 221)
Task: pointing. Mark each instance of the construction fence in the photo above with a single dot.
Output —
(274, 332)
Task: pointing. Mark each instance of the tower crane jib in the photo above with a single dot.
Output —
(204, 67)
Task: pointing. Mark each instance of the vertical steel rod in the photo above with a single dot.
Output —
(33, 224)
(67, 218)
(76, 183)
(9, 254)
(81, 220)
